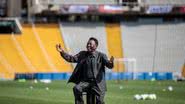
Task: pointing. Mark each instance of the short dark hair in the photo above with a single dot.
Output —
(93, 38)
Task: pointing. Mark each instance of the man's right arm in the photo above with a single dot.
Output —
(69, 58)
(66, 56)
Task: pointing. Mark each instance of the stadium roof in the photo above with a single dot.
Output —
(162, 2)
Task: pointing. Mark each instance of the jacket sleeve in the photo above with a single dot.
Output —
(70, 58)
(106, 62)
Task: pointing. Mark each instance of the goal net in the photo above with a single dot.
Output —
(125, 68)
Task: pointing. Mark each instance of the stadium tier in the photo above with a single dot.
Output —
(114, 44)
(76, 35)
(32, 51)
(138, 42)
(157, 47)
(142, 49)
(11, 60)
(50, 35)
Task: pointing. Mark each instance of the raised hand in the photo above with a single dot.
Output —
(59, 48)
(112, 59)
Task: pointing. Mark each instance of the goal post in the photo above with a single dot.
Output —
(125, 66)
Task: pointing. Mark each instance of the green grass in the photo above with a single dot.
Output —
(13, 92)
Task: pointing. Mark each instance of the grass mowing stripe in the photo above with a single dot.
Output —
(13, 92)
(18, 100)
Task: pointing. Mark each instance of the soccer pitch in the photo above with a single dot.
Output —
(59, 92)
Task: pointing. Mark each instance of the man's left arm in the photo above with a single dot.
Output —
(108, 63)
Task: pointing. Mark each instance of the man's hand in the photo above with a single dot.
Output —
(112, 59)
(59, 48)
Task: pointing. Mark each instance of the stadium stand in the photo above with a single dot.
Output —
(28, 57)
(161, 45)
(76, 35)
(169, 47)
(50, 35)
(114, 43)
(10, 62)
(162, 2)
(137, 39)
(32, 50)
(6, 70)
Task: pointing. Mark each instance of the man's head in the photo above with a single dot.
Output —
(92, 44)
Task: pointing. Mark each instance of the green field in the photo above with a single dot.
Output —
(14, 92)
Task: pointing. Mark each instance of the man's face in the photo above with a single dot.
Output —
(91, 46)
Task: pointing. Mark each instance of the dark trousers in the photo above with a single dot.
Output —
(81, 87)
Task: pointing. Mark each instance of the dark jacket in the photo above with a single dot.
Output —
(101, 61)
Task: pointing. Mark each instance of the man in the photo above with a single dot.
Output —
(89, 73)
